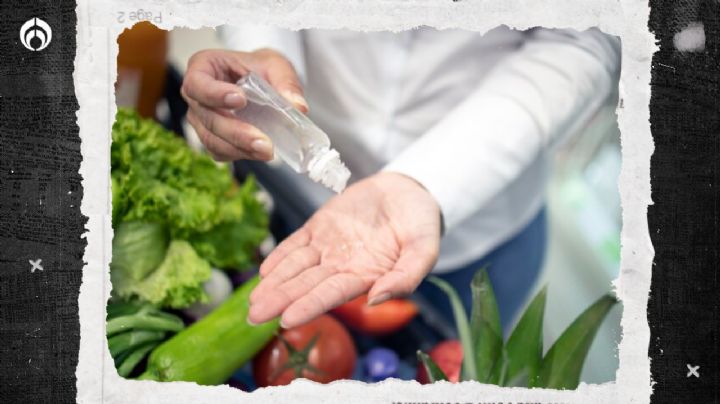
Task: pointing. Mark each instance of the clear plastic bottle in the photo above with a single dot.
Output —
(296, 139)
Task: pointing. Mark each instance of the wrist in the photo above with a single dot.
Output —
(394, 181)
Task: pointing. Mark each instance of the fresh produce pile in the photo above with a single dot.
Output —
(183, 227)
(134, 329)
(211, 349)
(164, 192)
(321, 350)
(176, 215)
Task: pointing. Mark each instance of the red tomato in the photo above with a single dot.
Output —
(384, 318)
(448, 356)
(321, 350)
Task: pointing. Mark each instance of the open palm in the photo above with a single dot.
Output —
(382, 234)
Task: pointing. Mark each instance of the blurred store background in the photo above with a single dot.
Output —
(584, 203)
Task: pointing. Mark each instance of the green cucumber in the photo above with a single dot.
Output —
(210, 350)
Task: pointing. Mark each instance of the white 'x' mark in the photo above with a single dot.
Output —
(35, 265)
(693, 371)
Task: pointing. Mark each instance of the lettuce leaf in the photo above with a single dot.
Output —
(157, 178)
(175, 283)
(242, 227)
(138, 248)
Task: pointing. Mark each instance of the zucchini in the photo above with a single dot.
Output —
(209, 351)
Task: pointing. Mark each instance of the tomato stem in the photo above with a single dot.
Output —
(298, 359)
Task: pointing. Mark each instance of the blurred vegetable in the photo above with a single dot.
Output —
(428, 370)
(176, 282)
(138, 248)
(146, 321)
(120, 308)
(134, 357)
(211, 349)
(321, 350)
(519, 361)
(380, 364)
(447, 356)
(218, 288)
(132, 339)
(157, 178)
(382, 319)
(134, 329)
(175, 212)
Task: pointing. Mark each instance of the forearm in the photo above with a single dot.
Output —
(528, 103)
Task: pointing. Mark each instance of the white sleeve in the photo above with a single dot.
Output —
(250, 37)
(549, 87)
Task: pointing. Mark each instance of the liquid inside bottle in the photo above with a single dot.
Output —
(296, 139)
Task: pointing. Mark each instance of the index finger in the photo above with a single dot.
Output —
(204, 88)
(299, 239)
(326, 295)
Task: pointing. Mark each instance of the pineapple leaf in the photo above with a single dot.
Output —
(561, 367)
(485, 329)
(431, 368)
(469, 369)
(520, 379)
(525, 345)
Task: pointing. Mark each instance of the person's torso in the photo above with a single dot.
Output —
(376, 93)
(380, 91)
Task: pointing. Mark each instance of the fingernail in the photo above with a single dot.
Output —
(379, 299)
(296, 98)
(283, 324)
(234, 100)
(250, 322)
(262, 148)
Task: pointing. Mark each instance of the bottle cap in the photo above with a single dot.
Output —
(328, 170)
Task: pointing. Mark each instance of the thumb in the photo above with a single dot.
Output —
(281, 74)
(410, 269)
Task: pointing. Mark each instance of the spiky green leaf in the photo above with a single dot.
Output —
(431, 368)
(562, 365)
(469, 368)
(525, 345)
(485, 328)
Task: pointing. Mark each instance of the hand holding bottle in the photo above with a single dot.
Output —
(211, 93)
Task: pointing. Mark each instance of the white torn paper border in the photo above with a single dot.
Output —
(99, 24)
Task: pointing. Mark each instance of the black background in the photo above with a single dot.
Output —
(40, 196)
(684, 220)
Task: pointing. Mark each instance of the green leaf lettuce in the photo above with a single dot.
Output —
(176, 282)
(138, 248)
(157, 178)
